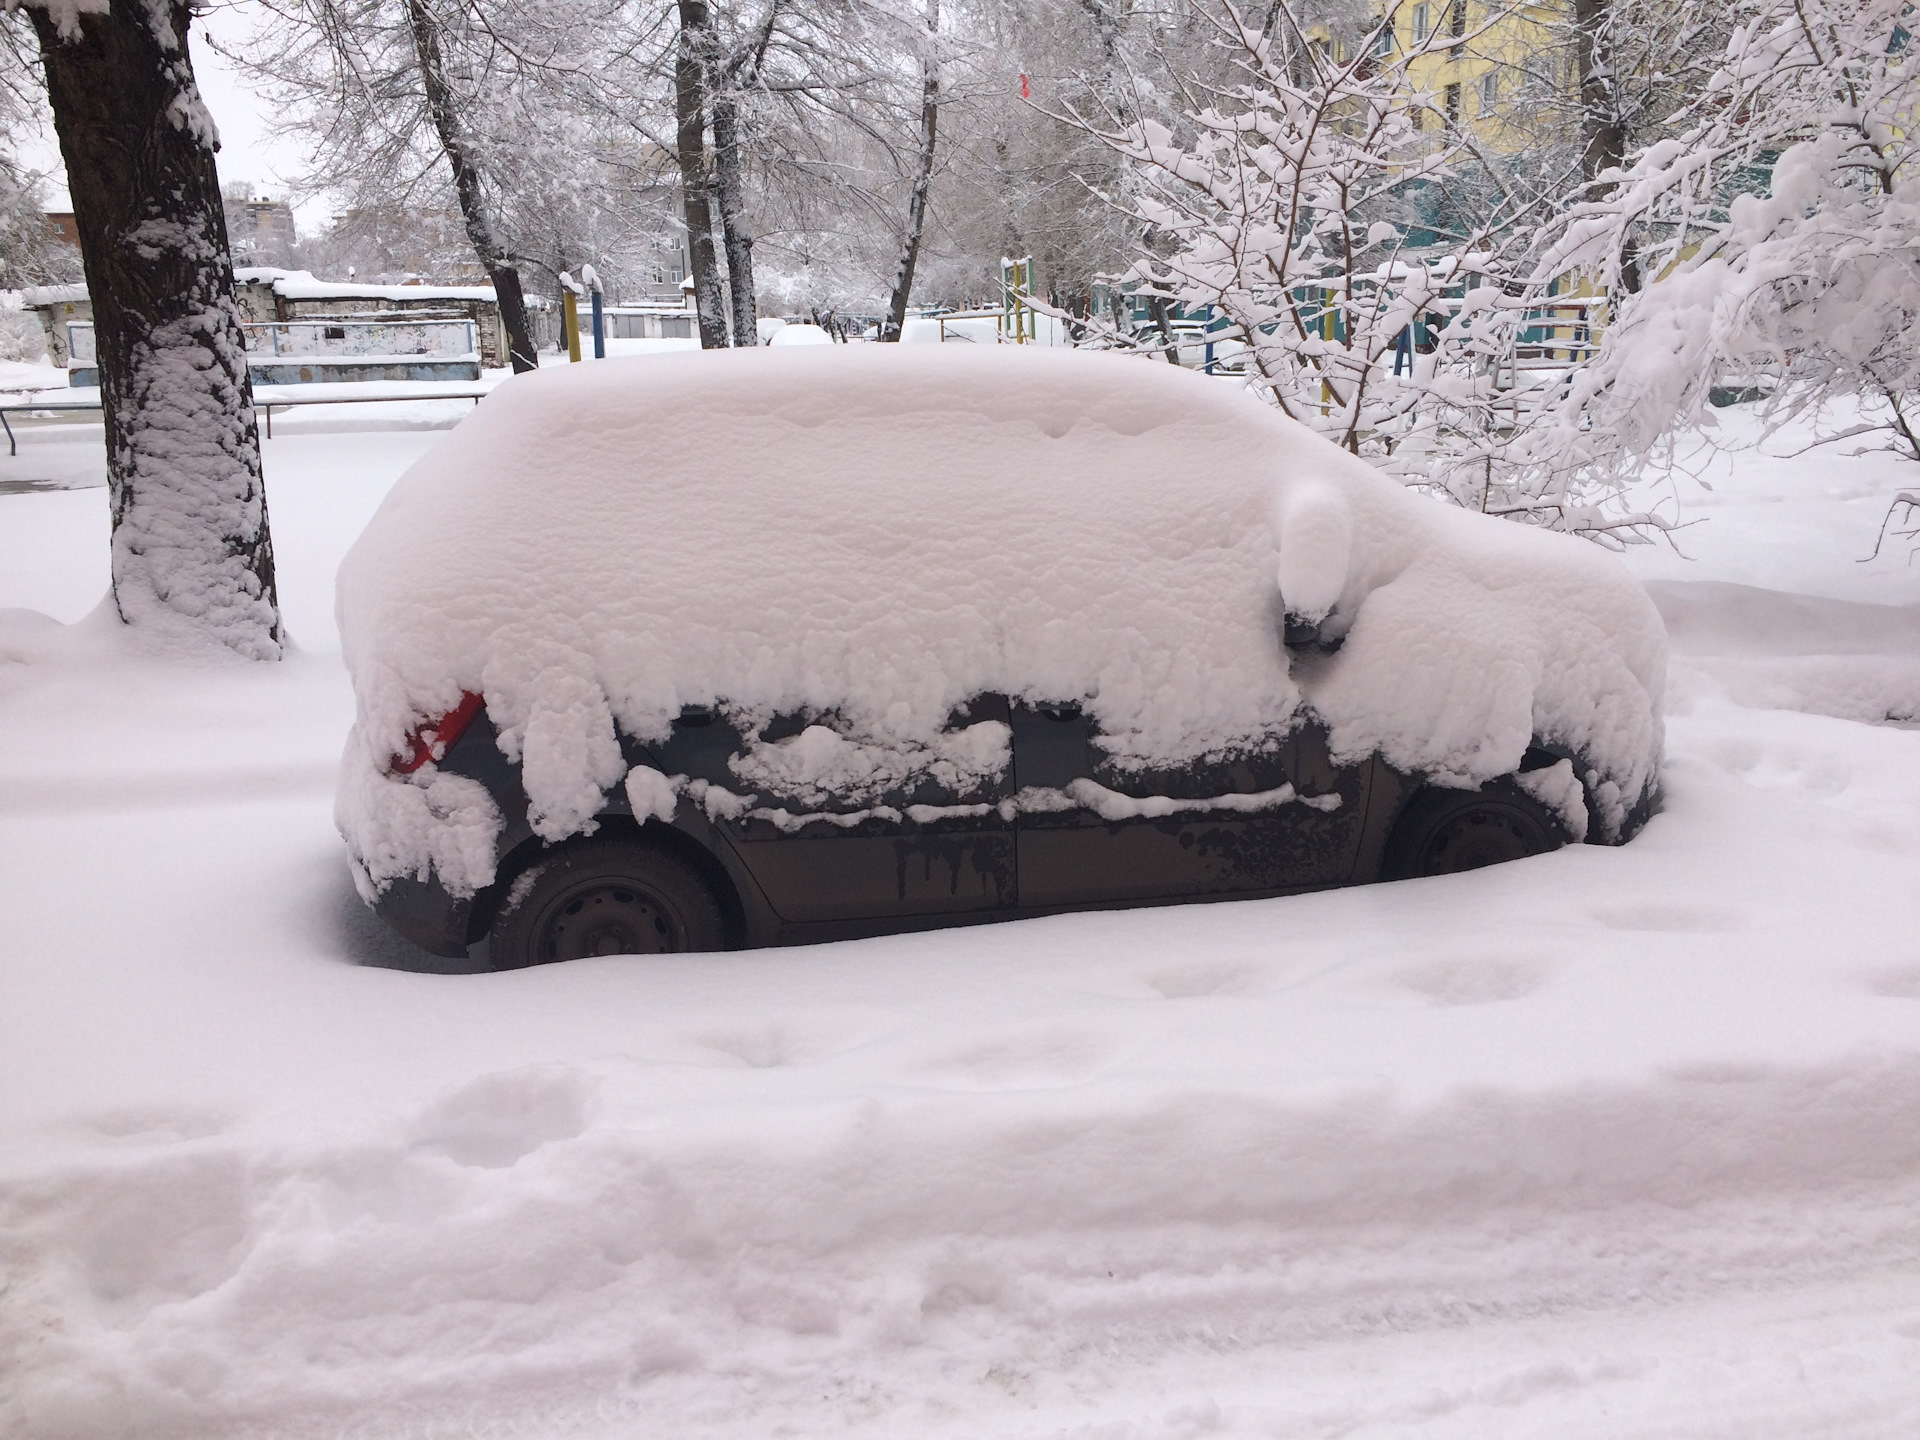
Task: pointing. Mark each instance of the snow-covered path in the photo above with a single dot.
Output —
(1609, 1143)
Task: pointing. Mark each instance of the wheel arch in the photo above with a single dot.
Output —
(1422, 793)
(530, 851)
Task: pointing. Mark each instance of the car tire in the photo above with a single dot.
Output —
(1445, 832)
(605, 896)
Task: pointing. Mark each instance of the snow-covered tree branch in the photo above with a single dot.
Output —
(1298, 213)
(1776, 234)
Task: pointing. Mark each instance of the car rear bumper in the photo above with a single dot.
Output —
(423, 912)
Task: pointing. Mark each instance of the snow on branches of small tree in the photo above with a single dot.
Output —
(1286, 208)
(1776, 229)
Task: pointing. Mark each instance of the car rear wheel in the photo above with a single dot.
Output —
(1443, 832)
(605, 896)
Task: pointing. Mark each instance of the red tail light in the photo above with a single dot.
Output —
(432, 740)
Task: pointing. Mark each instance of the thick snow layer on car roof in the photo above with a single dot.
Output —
(884, 533)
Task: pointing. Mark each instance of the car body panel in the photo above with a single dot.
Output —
(820, 880)
(1080, 857)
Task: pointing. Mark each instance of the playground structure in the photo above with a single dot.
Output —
(1014, 321)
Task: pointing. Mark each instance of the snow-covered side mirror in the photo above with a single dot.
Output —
(1316, 544)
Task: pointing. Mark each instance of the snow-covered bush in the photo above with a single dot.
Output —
(1284, 210)
(21, 335)
(1769, 244)
(883, 533)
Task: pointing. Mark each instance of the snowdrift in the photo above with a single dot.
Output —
(882, 533)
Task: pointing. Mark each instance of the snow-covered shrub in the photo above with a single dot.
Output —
(883, 533)
(1283, 211)
(1769, 244)
(21, 335)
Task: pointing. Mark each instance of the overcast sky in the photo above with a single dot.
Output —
(247, 152)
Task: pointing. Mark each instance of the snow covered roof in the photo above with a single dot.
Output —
(36, 295)
(302, 285)
(886, 531)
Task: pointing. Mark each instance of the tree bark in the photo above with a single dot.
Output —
(922, 178)
(1603, 130)
(1157, 309)
(1603, 135)
(191, 550)
(735, 231)
(445, 109)
(691, 68)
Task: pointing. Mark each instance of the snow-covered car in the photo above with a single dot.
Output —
(765, 646)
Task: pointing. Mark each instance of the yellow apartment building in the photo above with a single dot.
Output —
(1502, 74)
(1500, 71)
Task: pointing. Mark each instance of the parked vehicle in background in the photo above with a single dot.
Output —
(761, 647)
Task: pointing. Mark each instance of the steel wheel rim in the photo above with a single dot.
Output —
(607, 917)
(1478, 837)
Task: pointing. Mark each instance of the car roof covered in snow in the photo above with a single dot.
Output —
(884, 532)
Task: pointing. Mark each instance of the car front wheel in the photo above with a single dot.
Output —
(605, 896)
(1443, 832)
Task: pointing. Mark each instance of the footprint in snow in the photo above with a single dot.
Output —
(1680, 916)
(1040, 1058)
(1188, 982)
(1476, 980)
(1902, 982)
(497, 1120)
(803, 1041)
(156, 1124)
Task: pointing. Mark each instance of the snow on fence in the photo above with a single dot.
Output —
(330, 350)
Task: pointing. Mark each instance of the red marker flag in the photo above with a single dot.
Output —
(1025, 93)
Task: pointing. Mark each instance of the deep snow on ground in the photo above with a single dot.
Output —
(1608, 1143)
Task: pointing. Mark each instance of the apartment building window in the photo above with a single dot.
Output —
(1453, 106)
(1457, 19)
(1489, 91)
(1422, 24)
(1383, 40)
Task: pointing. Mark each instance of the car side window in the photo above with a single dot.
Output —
(1051, 744)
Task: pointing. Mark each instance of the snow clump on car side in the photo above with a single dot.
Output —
(881, 534)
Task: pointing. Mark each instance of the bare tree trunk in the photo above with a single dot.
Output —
(1157, 308)
(922, 177)
(1603, 138)
(735, 231)
(691, 68)
(1106, 25)
(1603, 130)
(191, 548)
(466, 185)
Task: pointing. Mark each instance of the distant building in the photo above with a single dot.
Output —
(271, 297)
(1493, 67)
(63, 229)
(267, 295)
(57, 305)
(260, 228)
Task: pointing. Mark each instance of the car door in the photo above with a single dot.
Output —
(915, 851)
(1091, 832)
